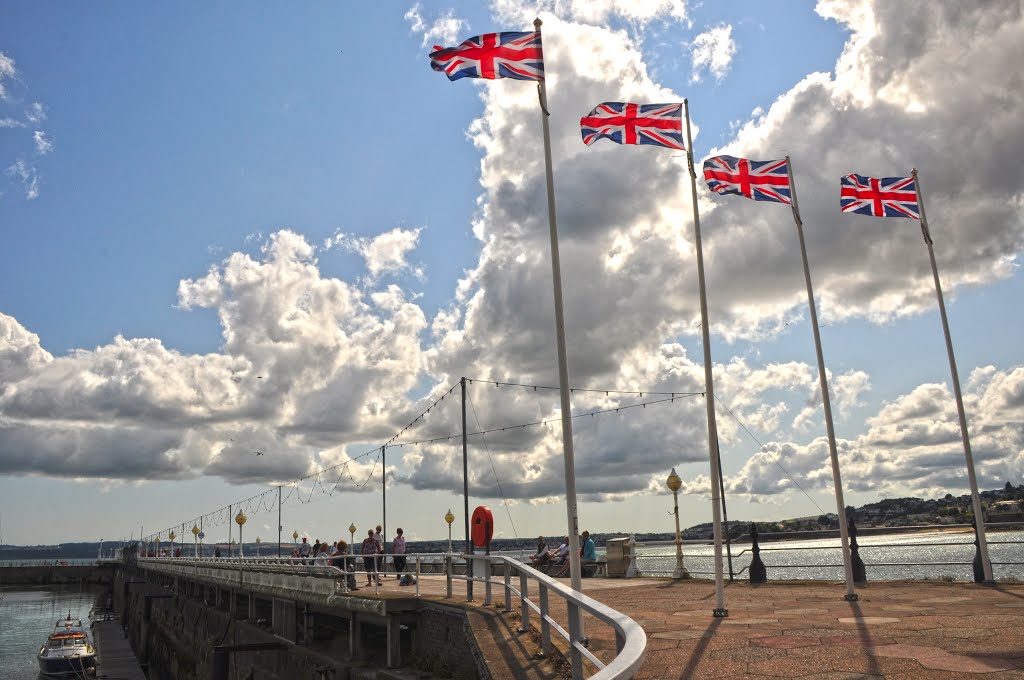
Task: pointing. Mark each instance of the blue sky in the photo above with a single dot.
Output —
(294, 194)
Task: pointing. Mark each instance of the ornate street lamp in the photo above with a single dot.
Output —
(675, 483)
(195, 538)
(295, 536)
(449, 518)
(257, 546)
(352, 537)
(240, 520)
(172, 536)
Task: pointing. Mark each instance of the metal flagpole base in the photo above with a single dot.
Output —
(720, 613)
(851, 597)
(680, 574)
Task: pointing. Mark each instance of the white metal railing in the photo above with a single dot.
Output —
(630, 638)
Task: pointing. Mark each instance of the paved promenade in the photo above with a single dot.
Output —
(905, 630)
(801, 629)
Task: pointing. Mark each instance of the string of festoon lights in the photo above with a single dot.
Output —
(281, 494)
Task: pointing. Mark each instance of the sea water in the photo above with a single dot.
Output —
(28, 616)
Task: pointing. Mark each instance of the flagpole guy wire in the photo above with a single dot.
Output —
(575, 623)
(979, 517)
(837, 482)
(716, 472)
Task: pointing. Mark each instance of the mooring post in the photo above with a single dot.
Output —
(859, 571)
(758, 573)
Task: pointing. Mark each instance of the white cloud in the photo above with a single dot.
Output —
(912, 446)
(43, 145)
(10, 123)
(384, 254)
(27, 175)
(36, 113)
(712, 51)
(596, 12)
(446, 30)
(7, 70)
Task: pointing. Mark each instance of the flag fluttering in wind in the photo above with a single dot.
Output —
(759, 180)
(623, 123)
(492, 55)
(879, 196)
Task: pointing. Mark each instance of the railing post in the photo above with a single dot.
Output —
(859, 572)
(758, 573)
(545, 627)
(448, 574)
(417, 575)
(508, 587)
(524, 605)
(575, 637)
(487, 582)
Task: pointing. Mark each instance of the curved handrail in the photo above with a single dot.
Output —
(632, 640)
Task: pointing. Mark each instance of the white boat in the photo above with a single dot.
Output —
(67, 651)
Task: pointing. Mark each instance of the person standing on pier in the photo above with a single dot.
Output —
(370, 549)
(381, 561)
(398, 550)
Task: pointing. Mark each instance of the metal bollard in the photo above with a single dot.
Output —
(758, 573)
(859, 572)
(417, 575)
(448, 574)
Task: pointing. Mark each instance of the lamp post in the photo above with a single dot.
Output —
(172, 536)
(257, 546)
(449, 518)
(352, 537)
(240, 520)
(195, 538)
(675, 483)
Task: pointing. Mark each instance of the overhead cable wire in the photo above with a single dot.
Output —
(763, 450)
(497, 480)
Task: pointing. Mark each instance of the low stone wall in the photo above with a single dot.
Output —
(444, 645)
(52, 575)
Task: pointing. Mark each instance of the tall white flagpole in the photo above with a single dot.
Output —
(837, 481)
(979, 517)
(563, 376)
(709, 388)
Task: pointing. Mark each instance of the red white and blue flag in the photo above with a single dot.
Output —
(492, 55)
(658, 124)
(759, 180)
(879, 196)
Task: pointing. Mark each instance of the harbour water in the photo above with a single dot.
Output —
(937, 556)
(27, 617)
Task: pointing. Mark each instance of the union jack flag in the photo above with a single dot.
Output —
(492, 55)
(759, 180)
(658, 124)
(879, 196)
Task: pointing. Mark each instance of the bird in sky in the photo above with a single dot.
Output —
(259, 453)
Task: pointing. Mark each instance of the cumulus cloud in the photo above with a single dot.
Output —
(444, 30)
(313, 368)
(912, 446)
(384, 254)
(712, 51)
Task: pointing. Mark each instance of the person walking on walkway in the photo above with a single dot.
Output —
(381, 561)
